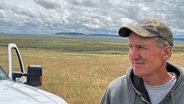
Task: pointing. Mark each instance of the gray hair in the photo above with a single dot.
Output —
(161, 42)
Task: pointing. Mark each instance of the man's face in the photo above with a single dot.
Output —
(146, 57)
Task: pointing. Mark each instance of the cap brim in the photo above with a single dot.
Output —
(125, 31)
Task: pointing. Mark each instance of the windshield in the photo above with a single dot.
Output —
(3, 75)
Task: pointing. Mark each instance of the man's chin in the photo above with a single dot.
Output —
(137, 72)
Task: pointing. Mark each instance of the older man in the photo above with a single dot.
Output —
(150, 79)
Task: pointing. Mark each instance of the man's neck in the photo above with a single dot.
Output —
(158, 78)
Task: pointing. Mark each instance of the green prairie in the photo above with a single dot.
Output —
(77, 69)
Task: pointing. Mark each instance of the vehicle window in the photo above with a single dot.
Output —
(3, 75)
(15, 62)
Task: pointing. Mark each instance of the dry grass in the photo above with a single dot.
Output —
(177, 58)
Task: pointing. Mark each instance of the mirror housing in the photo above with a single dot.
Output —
(34, 75)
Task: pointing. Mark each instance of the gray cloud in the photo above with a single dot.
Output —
(50, 4)
(90, 16)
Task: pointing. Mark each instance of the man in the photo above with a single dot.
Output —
(150, 79)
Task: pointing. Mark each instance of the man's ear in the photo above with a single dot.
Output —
(167, 52)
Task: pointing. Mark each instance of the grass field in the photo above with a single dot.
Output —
(76, 68)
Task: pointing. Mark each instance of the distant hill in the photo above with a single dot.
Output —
(82, 34)
(178, 37)
(69, 33)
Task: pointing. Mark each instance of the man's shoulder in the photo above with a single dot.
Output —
(119, 82)
(122, 80)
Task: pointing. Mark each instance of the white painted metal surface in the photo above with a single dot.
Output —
(17, 93)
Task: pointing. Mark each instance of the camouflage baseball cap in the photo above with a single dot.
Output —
(149, 28)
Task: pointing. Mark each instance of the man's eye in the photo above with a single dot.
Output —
(141, 47)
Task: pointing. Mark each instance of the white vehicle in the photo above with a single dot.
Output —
(16, 87)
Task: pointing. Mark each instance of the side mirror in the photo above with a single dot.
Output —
(34, 75)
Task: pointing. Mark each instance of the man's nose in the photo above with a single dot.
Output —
(133, 54)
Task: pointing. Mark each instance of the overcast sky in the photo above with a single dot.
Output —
(87, 16)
